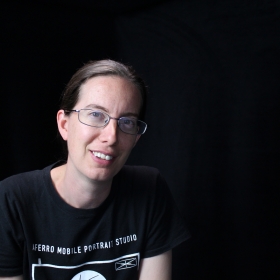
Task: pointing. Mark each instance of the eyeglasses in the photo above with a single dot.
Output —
(100, 119)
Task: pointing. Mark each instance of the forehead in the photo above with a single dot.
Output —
(111, 92)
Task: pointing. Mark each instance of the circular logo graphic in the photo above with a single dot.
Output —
(88, 275)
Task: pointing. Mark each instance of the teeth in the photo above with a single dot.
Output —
(100, 155)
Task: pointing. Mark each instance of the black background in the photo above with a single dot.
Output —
(212, 68)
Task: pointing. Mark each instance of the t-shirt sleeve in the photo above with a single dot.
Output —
(166, 226)
(11, 257)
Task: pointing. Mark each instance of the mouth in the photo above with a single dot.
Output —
(102, 156)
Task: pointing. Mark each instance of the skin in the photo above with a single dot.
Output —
(156, 268)
(85, 180)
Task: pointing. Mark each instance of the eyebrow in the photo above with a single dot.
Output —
(95, 106)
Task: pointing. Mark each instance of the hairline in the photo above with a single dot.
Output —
(111, 74)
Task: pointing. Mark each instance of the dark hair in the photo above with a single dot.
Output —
(106, 67)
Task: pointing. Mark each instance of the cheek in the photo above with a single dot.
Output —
(81, 135)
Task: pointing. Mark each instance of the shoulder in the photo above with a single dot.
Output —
(142, 180)
(141, 173)
(141, 176)
(24, 184)
(20, 179)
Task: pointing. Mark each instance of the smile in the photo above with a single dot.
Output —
(102, 156)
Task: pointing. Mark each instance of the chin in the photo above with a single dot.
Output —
(101, 176)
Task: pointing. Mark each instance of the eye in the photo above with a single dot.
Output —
(97, 117)
(128, 122)
(95, 114)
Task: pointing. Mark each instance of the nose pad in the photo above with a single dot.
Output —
(109, 132)
(109, 121)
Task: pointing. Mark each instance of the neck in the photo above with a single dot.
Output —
(79, 193)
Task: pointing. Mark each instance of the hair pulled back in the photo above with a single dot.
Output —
(106, 67)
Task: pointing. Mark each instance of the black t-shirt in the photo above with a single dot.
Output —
(42, 237)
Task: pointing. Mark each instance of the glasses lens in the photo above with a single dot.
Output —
(132, 126)
(142, 127)
(93, 118)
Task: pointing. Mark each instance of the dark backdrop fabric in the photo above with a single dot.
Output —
(212, 71)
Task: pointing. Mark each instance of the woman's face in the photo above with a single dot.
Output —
(86, 145)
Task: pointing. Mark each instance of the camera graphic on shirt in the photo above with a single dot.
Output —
(95, 270)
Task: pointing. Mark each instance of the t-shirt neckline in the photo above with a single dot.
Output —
(64, 206)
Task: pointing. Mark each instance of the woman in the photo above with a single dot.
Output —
(91, 217)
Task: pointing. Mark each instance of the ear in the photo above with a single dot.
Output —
(62, 124)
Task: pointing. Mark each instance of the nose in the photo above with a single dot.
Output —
(109, 133)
